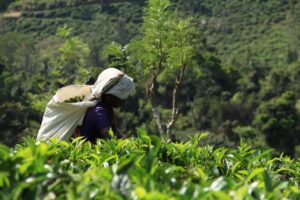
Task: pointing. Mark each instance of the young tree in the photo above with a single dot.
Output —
(164, 51)
(70, 65)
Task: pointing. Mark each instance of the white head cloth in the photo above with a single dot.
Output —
(111, 81)
(123, 88)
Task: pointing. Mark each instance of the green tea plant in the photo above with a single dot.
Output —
(144, 168)
(75, 99)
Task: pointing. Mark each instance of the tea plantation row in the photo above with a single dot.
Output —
(144, 168)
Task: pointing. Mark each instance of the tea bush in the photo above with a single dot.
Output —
(144, 168)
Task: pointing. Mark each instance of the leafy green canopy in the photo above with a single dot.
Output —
(163, 51)
(144, 168)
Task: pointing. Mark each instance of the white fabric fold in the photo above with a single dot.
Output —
(122, 88)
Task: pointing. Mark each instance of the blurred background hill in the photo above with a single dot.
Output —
(244, 85)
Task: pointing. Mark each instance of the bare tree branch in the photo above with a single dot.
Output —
(175, 110)
(158, 119)
(151, 92)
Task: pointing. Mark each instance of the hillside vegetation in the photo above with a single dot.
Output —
(241, 83)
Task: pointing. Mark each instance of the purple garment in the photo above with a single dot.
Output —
(96, 118)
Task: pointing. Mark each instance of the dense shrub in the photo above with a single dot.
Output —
(144, 168)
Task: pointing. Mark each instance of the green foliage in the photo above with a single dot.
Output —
(279, 117)
(117, 57)
(167, 42)
(144, 168)
(74, 99)
(163, 52)
(249, 135)
(4, 4)
(17, 78)
(71, 61)
(242, 56)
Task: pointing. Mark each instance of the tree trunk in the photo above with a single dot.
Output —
(174, 115)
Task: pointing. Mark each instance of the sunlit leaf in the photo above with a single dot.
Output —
(268, 181)
(255, 172)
